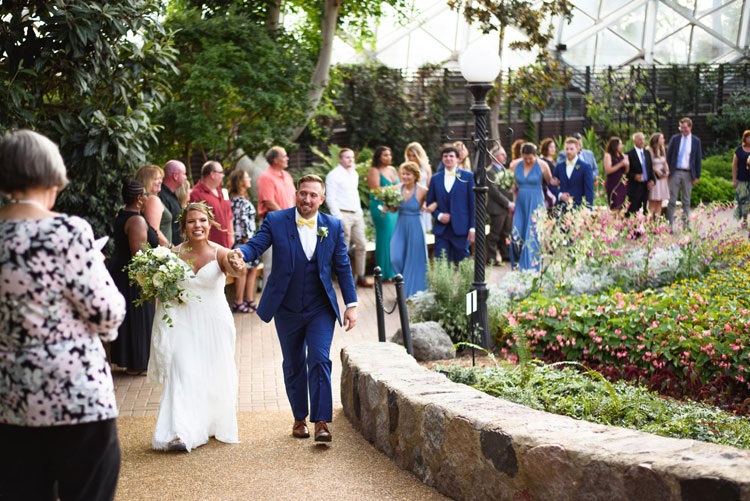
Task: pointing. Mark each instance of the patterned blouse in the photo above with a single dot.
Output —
(243, 216)
(57, 303)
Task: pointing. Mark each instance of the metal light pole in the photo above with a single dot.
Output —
(480, 68)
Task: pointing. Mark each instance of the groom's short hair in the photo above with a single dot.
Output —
(311, 178)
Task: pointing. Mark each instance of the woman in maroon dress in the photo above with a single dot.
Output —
(616, 165)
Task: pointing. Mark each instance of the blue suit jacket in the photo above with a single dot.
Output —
(580, 185)
(459, 203)
(588, 157)
(280, 230)
(696, 154)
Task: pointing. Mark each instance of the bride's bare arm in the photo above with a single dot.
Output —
(231, 262)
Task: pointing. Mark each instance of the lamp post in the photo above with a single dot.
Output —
(480, 68)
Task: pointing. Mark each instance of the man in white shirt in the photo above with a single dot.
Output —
(342, 189)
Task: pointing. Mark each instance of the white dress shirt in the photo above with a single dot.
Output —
(450, 178)
(569, 166)
(684, 162)
(308, 237)
(342, 190)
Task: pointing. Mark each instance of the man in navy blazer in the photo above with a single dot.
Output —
(684, 157)
(451, 196)
(575, 176)
(640, 174)
(299, 296)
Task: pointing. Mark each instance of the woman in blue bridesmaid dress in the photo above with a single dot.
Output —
(408, 245)
(382, 174)
(524, 240)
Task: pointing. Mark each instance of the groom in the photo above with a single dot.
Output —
(299, 296)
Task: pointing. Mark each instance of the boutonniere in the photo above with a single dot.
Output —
(578, 166)
(322, 232)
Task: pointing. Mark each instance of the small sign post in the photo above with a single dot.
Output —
(471, 308)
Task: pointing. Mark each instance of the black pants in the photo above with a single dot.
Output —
(638, 196)
(74, 462)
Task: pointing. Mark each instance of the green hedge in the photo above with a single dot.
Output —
(712, 189)
(718, 165)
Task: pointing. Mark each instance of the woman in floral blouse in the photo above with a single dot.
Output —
(57, 304)
(243, 217)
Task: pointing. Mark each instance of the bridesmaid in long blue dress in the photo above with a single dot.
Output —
(529, 175)
(408, 245)
(382, 174)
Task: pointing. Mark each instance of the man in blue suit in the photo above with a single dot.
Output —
(586, 155)
(575, 176)
(684, 157)
(299, 296)
(452, 197)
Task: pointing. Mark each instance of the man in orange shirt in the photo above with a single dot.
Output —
(208, 190)
(276, 191)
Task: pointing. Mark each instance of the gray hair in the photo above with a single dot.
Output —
(30, 160)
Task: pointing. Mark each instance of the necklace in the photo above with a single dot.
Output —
(27, 202)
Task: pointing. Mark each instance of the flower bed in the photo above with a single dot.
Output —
(689, 339)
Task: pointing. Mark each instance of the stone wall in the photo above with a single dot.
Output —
(469, 445)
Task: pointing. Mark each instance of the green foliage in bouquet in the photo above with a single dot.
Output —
(389, 196)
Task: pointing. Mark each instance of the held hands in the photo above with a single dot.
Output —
(236, 261)
(444, 218)
(350, 318)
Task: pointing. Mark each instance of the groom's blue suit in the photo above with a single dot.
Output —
(299, 296)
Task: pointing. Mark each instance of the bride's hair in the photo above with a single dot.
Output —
(200, 207)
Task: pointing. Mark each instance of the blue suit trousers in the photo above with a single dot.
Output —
(305, 339)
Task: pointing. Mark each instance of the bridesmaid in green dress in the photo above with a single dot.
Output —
(382, 174)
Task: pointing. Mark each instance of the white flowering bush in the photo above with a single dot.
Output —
(160, 274)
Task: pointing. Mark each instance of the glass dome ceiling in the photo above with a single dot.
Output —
(601, 33)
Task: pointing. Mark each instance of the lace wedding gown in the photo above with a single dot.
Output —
(194, 359)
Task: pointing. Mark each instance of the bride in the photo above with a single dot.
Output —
(194, 357)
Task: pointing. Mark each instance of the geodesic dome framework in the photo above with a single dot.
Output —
(602, 33)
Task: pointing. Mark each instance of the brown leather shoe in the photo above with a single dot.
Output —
(321, 432)
(299, 430)
(364, 282)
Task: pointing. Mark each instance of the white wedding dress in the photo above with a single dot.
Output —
(194, 359)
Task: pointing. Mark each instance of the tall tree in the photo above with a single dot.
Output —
(238, 88)
(531, 18)
(87, 74)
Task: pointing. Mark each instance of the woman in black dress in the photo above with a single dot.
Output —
(131, 232)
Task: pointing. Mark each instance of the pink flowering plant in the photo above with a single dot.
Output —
(589, 251)
(691, 338)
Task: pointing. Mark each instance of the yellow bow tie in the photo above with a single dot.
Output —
(304, 222)
(449, 173)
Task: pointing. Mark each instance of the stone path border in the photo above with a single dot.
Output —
(469, 445)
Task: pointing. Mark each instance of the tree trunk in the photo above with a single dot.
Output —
(497, 101)
(273, 16)
(320, 78)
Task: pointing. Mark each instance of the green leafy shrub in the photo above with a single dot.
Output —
(729, 124)
(445, 302)
(712, 189)
(718, 165)
(588, 396)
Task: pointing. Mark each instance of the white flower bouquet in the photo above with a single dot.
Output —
(160, 274)
(390, 196)
(505, 179)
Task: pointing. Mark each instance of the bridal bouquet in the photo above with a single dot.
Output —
(505, 179)
(160, 274)
(390, 196)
